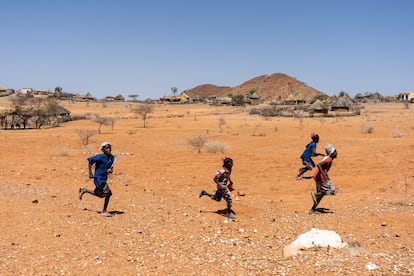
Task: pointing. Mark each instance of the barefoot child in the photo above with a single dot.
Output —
(324, 185)
(308, 153)
(221, 178)
(103, 163)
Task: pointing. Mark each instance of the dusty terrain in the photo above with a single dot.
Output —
(161, 227)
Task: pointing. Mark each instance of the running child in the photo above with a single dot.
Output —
(104, 164)
(224, 186)
(308, 153)
(324, 185)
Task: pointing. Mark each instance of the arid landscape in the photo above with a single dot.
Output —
(160, 225)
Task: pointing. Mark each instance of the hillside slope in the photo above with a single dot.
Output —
(277, 86)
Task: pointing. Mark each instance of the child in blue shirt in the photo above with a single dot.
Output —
(308, 153)
(104, 164)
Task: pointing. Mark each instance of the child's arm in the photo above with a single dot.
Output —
(322, 171)
(216, 179)
(230, 186)
(90, 170)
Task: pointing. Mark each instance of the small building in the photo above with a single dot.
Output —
(318, 107)
(406, 96)
(292, 100)
(341, 103)
(182, 98)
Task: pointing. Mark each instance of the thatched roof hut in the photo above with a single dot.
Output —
(341, 103)
(318, 107)
(294, 100)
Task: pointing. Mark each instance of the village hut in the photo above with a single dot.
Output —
(119, 98)
(341, 103)
(318, 107)
(294, 100)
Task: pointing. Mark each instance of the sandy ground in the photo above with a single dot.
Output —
(161, 227)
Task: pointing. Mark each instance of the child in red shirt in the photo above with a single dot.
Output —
(324, 185)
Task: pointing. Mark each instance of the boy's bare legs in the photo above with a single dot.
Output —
(104, 212)
(316, 198)
(204, 193)
(82, 191)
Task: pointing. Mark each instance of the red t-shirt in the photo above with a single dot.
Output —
(318, 176)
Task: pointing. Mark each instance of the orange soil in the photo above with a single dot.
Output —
(162, 227)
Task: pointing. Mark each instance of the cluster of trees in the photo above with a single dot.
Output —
(27, 111)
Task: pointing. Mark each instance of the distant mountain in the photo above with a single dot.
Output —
(270, 87)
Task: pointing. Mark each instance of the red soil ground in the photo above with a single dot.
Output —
(160, 225)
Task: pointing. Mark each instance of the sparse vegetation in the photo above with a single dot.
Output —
(143, 110)
(197, 141)
(215, 147)
(85, 135)
(398, 133)
(367, 129)
(221, 123)
(255, 131)
(106, 121)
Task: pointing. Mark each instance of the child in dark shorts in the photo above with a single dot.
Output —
(104, 164)
(224, 186)
(308, 153)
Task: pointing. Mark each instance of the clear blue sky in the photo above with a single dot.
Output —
(109, 47)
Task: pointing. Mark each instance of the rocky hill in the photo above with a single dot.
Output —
(277, 86)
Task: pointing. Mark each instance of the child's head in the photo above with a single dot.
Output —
(106, 147)
(330, 150)
(228, 163)
(315, 137)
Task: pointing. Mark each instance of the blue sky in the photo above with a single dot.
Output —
(109, 47)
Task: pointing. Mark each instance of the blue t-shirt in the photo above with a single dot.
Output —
(308, 152)
(102, 164)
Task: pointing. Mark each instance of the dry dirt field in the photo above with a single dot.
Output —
(161, 227)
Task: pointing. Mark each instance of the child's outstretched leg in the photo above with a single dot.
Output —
(301, 172)
(229, 201)
(82, 191)
(316, 198)
(204, 193)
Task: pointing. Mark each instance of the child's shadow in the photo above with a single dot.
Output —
(113, 213)
(222, 212)
(324, 210)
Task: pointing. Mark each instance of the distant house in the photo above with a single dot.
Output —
(63, 114)
(369, 97)
(294, 100)
(406, 96)
(318, 107)
(182, 98)
(42, 92)
(341, 103)
(84, 98)
(119, 98)
(27, 91)
(5, 92)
